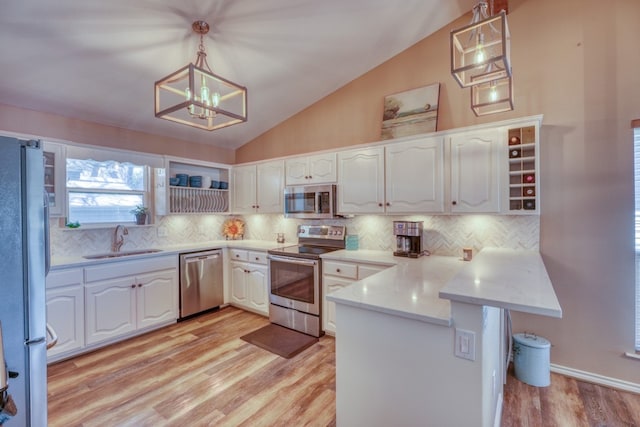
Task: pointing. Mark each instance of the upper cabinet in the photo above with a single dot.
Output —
(314, 169)
(55, 177)
(203, 187)
(361, 185)
(258, 188)
(415, 176)
(475, 172)
(405, 177)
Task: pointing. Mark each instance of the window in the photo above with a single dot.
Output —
(104, 192)
(636, 160)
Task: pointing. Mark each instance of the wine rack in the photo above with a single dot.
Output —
(523, 179)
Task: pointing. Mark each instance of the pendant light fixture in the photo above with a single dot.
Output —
(480, 51)
(197, 97)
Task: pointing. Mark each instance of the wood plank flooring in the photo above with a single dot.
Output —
(200, 373)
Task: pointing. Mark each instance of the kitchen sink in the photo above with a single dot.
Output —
(122, 254)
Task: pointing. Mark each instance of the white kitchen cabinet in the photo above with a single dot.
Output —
(129, 297)
(336, 275)
(250, 280)
(414, 176)
(65, 311)
(475, 172)
(361, 185)
(314, 169)
(258, 188)
(55, 179)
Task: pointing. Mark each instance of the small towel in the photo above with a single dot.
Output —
(8, 409)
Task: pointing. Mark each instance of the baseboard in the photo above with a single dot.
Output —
(498, 418)
(596, 378)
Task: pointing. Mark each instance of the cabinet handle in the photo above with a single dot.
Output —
(454, 202)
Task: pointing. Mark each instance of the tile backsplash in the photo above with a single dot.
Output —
(443, 235)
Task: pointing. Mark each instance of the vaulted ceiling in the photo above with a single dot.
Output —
(97, 60)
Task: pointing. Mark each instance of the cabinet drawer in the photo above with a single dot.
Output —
(239, 255)
(257, 257)
(57, 278)
(340, 269)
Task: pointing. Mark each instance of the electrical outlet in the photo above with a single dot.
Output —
(465, 344)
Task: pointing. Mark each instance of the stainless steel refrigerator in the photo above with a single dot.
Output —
(23, 261)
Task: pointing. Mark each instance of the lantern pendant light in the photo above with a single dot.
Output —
(197, 97)
(480, 51)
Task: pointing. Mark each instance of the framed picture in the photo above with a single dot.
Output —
(411, 112)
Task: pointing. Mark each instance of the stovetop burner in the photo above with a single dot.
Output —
(313, 241)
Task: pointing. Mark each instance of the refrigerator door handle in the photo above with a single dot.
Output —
(47, 248)
(51, 333)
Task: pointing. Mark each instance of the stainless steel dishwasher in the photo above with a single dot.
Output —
(201, 286)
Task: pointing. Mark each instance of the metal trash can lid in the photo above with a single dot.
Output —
(531, 340)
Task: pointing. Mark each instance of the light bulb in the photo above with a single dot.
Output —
(493, 94)
(187, 94)
(204, 95)
(215, 99)
(480, 56)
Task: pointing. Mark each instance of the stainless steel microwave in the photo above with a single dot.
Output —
(310, 201)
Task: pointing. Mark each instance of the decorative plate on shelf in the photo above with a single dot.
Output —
(233, 229)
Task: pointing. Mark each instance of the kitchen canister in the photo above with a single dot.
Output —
(351, 243)
(531, 359)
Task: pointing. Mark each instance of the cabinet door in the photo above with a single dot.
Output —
(331, 284)
(65, 313)
(366, 270)
(361, 185)
(110, 309)
(257, 282)
(55, 171)
(270, 187)
(296, 171)
(239, 292)
(156, 298)
(244, 189)
(414, 176)
(475, 172)
(322, 168)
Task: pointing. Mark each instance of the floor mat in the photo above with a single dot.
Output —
(280, 340)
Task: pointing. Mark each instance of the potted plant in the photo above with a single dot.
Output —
(141, 214)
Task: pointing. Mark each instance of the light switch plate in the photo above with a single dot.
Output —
(465, 344)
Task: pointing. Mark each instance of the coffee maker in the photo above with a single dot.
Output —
(408, 238)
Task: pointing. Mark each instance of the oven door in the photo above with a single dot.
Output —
(295, 283)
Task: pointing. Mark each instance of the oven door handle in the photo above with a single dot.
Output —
(292, 260)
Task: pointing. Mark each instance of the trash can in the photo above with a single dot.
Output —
(531, 359)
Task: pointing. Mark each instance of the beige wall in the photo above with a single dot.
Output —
(52, 126)
(576, 62)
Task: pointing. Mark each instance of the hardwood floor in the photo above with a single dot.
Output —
(200, 373)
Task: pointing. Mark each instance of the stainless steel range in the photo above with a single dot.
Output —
(295, 280)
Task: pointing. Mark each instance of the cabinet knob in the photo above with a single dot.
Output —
(237, 255)
(257, 258)
(139, 285)
(380, 204)
(337, 270)
(133, 286)
(454, 202)
(388, 204)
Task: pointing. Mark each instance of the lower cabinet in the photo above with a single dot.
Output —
(249, 280)
(336, 275)
(65, 310)
(120, 306)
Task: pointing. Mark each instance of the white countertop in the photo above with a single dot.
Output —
(79, 260)
(423, 288)
(410, 289)
(516, 280)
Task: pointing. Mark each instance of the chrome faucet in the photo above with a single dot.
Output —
(118, 237)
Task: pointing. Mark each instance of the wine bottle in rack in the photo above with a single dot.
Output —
(528, 178)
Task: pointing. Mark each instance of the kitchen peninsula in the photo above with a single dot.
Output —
(397, 333)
